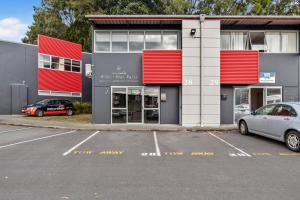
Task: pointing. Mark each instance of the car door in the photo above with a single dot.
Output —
(257, 122)
(281, 117)
(52, 107)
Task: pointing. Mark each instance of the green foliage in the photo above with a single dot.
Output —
(82, 108)
(66, 19)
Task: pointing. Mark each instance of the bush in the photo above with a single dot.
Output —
(83, 108)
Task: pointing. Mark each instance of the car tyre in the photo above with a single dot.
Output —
(243, 128)
(292, 141)
(39, 113)
(69, 112)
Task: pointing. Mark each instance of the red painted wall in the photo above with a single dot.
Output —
(57, 47)
(61, 81)
(55, 80)
(162, 67)
(239, 67)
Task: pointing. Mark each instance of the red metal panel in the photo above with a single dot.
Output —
(57, 47)
(239, 67)
(162, 67)
(61, 81)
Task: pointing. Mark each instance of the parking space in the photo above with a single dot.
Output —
(74, 164)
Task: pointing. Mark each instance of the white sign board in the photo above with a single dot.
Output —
(267, 77)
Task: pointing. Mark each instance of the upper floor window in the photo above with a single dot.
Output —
(264, 41)
(134, 41)
(59, 63)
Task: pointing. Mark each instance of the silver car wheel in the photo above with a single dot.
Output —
(293, 141)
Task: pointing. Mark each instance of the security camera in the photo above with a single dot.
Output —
(193, 31)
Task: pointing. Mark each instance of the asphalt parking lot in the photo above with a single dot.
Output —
(39, 163)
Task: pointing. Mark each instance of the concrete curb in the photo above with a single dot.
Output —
(125, 128)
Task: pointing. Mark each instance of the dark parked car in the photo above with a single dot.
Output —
(50, 107)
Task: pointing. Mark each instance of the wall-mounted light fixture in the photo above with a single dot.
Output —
(193, 31)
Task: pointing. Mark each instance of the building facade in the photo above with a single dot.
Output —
(191, 70)
(52, 69)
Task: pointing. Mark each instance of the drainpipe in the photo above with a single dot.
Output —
(201, 19)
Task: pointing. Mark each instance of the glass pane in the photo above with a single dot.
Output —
(273, 95)
(273, 42)
(76, 69)
(289, 42)
(102, 41)
(136, 41)
(45, 58)
(55, 59)
(134, 105)
(239, 41)
(67, 67)
(151, 97)
(119, 97)
(151, 116)
(67, 62)
(169, 40)
(75, 62)
(242, 106)
(119, 116)
(266, 110)
(119, 41)
(257, 41)
(54, 65)
(153, 40)
(225, 40)
(284, 110)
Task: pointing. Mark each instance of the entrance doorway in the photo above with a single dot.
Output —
(257, 98)
(133, 104)
(249, 99)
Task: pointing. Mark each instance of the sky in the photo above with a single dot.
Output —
(15, 17)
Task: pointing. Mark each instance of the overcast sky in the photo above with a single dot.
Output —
(15, 17)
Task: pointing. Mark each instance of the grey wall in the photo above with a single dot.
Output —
(169, 110)
(287, 69)
(18, 64)
(227, 105)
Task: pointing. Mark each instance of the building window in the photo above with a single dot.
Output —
(289, 42)
(270, 41)
(151, 105)
(257, 41)
(153, 40)
(273, 42)
(102, 41)
(136, 41)
(59, 63)
(170, 40)
(44, 61)
(119, 41)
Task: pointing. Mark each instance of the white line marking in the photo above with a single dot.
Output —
(6, 131)
(80, 143)
(36, 139)
(156, 144)
(243, 152)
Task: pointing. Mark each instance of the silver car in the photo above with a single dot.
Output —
(279, 121)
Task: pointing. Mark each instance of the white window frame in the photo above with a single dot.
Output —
(59, 93)
(80, 66)
(280, 31)
(133, 30)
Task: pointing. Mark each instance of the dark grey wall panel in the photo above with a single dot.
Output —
(86, 82)
(227, 105)
(169, 110)
(101, 105)
(18, 65)
(115, 69)
(286, 67)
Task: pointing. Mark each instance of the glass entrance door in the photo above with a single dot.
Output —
(135, 105)
(241, 103)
